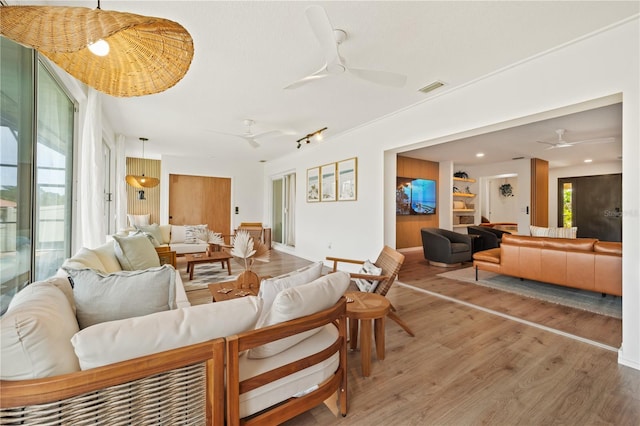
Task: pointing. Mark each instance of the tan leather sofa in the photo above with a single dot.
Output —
(583, 263)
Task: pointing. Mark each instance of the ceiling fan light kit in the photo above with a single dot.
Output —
(140, 55)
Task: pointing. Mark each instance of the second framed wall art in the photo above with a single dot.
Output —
(333, 182)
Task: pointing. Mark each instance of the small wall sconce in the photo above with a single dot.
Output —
(317, 135)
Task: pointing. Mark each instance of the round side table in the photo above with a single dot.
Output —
(367, 309)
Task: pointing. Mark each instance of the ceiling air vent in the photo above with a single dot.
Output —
(431, 87)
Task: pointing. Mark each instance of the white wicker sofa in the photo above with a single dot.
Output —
(168, 367)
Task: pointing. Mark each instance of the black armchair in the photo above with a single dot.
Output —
(446, 248)
(490, 237)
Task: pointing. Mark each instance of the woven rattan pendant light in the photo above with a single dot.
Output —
(142, 181)
(147, 55)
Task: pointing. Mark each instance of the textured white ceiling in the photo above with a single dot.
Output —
(247, 52)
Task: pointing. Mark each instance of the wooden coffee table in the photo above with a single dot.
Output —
(216, 256)
(367, 308)
(220, 292)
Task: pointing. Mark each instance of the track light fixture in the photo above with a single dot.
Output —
(317, 135)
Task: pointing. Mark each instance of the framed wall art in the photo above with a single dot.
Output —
(348, 179)
(328, 182)
(313, 185)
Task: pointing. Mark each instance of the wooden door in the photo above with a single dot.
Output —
(539, 192)
(197, 200)
(596, 205)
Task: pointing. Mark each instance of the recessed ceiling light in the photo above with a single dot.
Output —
(588, 160)
(480, 154)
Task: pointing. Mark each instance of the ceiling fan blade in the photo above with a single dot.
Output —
(323, 30)
(383, 78)
(321, 73)
(252, 141)
(593, 141)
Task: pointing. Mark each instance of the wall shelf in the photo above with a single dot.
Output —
(464, 210)
(464, 180)
(463, 194)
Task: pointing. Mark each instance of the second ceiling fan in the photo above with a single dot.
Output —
(562, 143)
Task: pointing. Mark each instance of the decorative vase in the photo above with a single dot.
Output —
(248, 280)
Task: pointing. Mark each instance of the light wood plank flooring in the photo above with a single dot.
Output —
(468, 366)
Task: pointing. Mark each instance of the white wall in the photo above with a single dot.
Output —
(247, 189)
(595, 67)
(519, 204)
(501, 208)
(583, 170)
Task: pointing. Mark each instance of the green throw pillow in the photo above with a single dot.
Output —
(135, 252)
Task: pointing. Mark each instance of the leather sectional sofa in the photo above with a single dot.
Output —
(582, 263)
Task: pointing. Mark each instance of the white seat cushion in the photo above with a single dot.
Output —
(286, 387)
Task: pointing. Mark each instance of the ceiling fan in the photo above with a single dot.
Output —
(249, 136)
(561, 143)
(329, 39)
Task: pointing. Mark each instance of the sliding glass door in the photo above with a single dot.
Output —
(283, 214)
(36, 145)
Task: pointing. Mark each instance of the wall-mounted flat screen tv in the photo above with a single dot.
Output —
(415, 196)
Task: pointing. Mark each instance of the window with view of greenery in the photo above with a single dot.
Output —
(567, 205)
(36, 146)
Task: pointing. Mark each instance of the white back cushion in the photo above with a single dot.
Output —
(270, 287)
(115, 341)
(138, 219)
(178, 234)
(35, 333)
(297, 302)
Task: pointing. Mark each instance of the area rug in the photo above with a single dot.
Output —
(207, 273)
(574, 298)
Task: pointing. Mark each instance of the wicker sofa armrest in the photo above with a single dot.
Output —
(134, 391)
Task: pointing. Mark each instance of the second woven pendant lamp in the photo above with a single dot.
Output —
(147, 55)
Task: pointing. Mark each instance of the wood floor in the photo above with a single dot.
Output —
(471, 366)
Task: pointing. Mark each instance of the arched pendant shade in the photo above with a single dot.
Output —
(142, 181)
(147, 55)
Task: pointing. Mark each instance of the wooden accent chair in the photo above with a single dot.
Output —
(333, 391)
(254, 229)
(390, 261)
